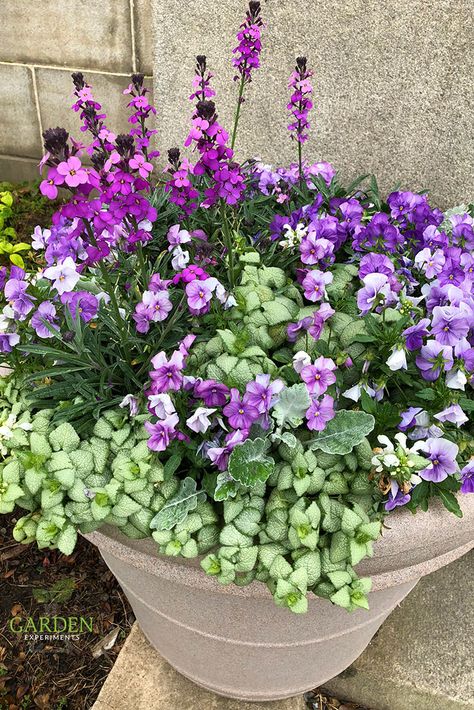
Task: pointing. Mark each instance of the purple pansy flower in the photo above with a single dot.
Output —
(396, 497)
(314, 284)
(18, 298)
(241, 414)
(82, 303)
(162, 433)
(467, 477)
(449, 325)
(214, 394)
(45, 314)
(433, 359)
(166, 374)
(453, 414)
(262, 394)
(442, 455)
(415, 334)
(320, 376)
(64, 275)
(320, 413)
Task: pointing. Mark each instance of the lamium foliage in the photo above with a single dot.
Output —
(249, 365)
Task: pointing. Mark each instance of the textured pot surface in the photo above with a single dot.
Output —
(236, 642)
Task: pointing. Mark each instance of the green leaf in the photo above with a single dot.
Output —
(17, 260)
(342, 433)
(171, 466)
(428, 394)
(226, 487)
(292, 405)
(178, 507)
(449, 501)
(249, 464)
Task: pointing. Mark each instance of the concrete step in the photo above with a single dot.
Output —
(421, 659)
(422, 656)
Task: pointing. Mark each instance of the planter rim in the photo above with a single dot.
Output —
(390, 566)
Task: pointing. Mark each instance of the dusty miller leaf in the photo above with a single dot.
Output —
(292, 405)
(178, 507)
(342, 433)
(249, 464)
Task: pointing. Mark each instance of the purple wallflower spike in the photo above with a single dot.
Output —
(442, 455)
(450, 325)
(467, 477)
(262, 393)
(320, 376)
(247, 52)
(433, 359)
(453, 414)
(162, 433)
(320, 413)
(240, 414)
(214, 394)
(73, 172)
(415, 334)
(64, 275)
(314, 284)
(300, 102)
(46, 314)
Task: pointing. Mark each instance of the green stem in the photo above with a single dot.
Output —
(237, 110)
(228, 245)
(300, 162)
(105, 274)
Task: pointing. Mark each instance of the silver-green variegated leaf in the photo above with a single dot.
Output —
(292, 405)
(342, 433)
(226, 487)
(287, 438)
(177, 508)
(249, 464)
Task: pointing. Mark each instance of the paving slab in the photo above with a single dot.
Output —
(420, 659)
(141, 679)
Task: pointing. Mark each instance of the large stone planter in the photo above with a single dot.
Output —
(236, 642)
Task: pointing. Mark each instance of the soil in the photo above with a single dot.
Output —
(67, 674)
(56, 674)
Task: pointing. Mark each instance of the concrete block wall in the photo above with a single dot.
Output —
(41, 43)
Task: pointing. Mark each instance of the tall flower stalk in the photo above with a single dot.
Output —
(247, 56)
(300, 106)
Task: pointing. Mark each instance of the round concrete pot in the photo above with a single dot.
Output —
(236, 642)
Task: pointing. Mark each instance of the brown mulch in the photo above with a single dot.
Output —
(68, 674)
(57, 674)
